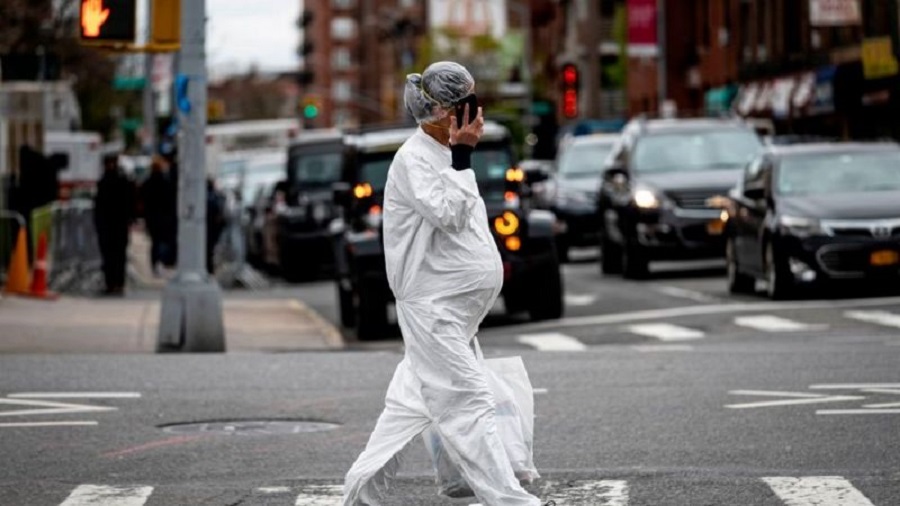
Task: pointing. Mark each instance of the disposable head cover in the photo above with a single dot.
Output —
(430, 95)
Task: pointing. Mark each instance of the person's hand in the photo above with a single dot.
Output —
(470, 133)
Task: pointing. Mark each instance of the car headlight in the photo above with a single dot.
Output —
(800, 226)
(646, 199)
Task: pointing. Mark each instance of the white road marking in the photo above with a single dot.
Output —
(321, 495)
(49, 408)
(653, 348)
(684, 293)
(888, 391)
(274, 490)
(573, 299)
(75, 395)
(596, 493)
(74, 423)
(666, 332)
(772, 323)
(101, 495)
(867, 411)
(817, 491)
(711, 309)
(794, 398)
(552, 341)
(538, 391)
(854, 386)
(877, 317)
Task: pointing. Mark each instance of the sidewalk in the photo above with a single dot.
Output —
(79, 325)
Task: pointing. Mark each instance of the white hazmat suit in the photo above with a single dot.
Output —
(445, 271)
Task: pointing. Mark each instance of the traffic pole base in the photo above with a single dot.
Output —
(190, 319)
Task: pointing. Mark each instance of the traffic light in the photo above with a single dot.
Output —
(570, 91)
(166, 27)
(310, 108)
(108, 20)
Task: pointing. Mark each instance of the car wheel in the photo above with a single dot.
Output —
(546, 302)
(779, 284)
(635, 264)
(738, 282)
(371, 321)
(610, 256)
(345, 305)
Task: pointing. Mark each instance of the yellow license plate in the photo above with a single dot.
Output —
(715, 227)
(884, 258)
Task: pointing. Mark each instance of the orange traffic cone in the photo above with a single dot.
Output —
(17, 276)
(39, 277)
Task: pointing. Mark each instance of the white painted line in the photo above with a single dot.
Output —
(274, 490)
(854, 386)
(666, 332)
(817, 491)
(552, 341)
(321, 495)
(101, 495)
(882, 405)
(595, 493)
(858, 412)
(795, 398)
(653, 348)
(572, 299)
(75, 395)
(877, 317)
(683, 293)
(90, 423)
(49, 408)
(677, 312)
(772, 323)
(539, 391)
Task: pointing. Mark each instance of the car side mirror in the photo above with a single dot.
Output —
(755, 193)
(536, 175)
(340, 194)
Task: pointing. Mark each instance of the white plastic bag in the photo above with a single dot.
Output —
(514, 397)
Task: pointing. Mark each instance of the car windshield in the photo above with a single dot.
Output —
(258, 176)
(319, 169)
(582, 160)
(490, 164)
(839, 173)
(696, 151)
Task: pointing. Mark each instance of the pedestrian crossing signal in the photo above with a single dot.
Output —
(108, 20)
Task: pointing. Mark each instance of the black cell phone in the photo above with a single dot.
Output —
(472, 101)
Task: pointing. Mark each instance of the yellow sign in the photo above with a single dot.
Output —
(878, 58)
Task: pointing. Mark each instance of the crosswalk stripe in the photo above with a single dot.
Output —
(321, 495)
(817, 491)
(593, 492)
(772, 323)
(877, 317)
(666, 331)
(103, 495)
(552, 341)
(572, 299)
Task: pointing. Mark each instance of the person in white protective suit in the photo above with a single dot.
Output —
(445, 271)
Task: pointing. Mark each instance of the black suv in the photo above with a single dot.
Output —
(525, 237)
(306, 209)
(657, 194)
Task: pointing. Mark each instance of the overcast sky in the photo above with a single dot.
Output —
(243, 32)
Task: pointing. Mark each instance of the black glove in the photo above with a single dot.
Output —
(461, 156)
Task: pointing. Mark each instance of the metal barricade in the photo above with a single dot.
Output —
(75, 261)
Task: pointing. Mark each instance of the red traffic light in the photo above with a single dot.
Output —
(570, 104)
(570, 75)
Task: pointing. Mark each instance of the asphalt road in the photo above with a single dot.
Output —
(663, 392)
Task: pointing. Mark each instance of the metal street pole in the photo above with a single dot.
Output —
(191, 315)
(524, 10)
(149, 112)
(662, 85)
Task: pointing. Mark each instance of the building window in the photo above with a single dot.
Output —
(343, 28)
(340, 59)
(341, 91)
(342, 4)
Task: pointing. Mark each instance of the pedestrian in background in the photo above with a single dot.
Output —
(114, 207)
(159, 196)
(215, 222)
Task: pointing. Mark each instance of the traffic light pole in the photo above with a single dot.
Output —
(191, 314)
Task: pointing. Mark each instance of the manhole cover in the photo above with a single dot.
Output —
(250, 427)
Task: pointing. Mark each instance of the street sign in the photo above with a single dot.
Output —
(108, 21)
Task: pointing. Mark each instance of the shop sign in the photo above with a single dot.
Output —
(642, 20)
(823, 94)
(878, 58)
(834, 12)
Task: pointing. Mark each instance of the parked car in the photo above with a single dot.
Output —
(807, 215)
(302, 221)
(261, 190)
(654, 201)
(525, 236)
(579, 170)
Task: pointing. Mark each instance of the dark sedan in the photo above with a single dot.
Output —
(810, 214)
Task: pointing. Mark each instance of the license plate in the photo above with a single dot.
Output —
(715, 227)
(884, 258)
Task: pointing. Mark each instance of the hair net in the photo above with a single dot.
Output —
(428, 94)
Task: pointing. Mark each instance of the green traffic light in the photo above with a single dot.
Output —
(310, 111)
